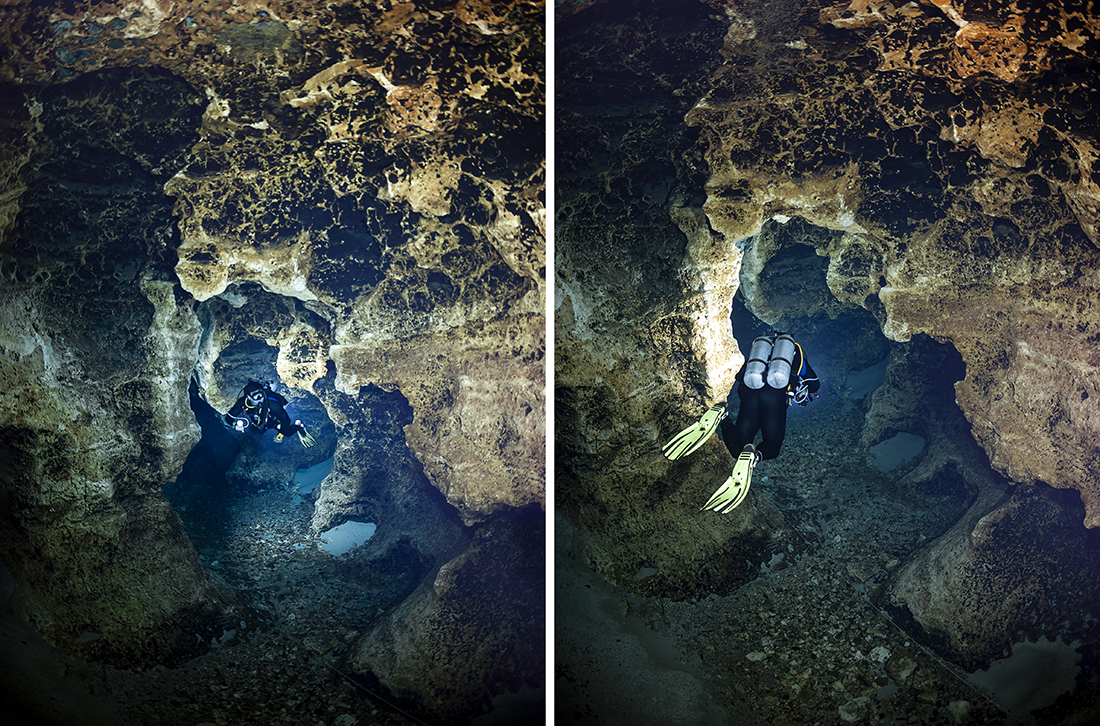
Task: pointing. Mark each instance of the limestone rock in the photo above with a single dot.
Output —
(310, 168)
(347, 200)
(97, 349)
(925, 166)
(962, 211)
(487, 645)
(644, 346)
(986, 582)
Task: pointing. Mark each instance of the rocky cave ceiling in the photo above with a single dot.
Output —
(345, 197)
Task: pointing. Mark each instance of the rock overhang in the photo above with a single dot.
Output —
(340, 168)
(961, 196)
(943, 211)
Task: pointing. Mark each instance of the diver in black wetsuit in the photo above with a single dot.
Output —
(775, 375)
(261, 408)
(764, 405)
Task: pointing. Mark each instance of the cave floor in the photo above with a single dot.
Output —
(802, 643)
(299, 612)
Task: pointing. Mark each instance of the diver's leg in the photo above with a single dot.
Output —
(736, 434)
(773, 421)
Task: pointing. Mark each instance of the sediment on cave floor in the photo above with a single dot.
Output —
(303, 597)
(257, 534)
(813, 636)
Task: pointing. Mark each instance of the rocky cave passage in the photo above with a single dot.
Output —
(347, 199)
(887, 182)
(858, 524)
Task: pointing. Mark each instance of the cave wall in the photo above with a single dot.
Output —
(391, 180)
(642, 305)
(937, 159)
(955, 178)
(347, 198)
(98, 343)
(960, 180)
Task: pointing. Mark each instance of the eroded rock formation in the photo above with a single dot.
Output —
(347, 199)
(964, 196)
(933, 162)
(97, 350)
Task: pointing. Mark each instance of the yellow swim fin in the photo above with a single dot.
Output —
(695, 435)
(734, 490)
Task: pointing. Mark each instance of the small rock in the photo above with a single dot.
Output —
(959, 710)
(854, 710)
(879, 655)
(862, 571)
(900, 666)
(756, 656)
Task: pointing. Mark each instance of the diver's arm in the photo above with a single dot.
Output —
(285, 427)
(810, 379)
(234, 413)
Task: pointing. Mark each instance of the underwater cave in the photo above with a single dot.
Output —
(877, 489)
(925, 539)
(174, 222)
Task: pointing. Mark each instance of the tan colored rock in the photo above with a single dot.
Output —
(92, 520)
(359, 214)
(1012, 288)
(991, 575)
(503, 566)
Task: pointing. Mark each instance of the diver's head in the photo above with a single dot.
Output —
(254, 393)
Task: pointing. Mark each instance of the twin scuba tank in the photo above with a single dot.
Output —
(770, 362)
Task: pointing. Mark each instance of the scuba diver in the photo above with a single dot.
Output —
(775, 375)
(261, 408)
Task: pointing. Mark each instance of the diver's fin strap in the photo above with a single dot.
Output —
(695, 435)
(734, 490)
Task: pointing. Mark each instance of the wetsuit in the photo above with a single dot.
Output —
(270, 414)
(765, 410)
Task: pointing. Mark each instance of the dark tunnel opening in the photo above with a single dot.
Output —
(885, 401)
(293, 592)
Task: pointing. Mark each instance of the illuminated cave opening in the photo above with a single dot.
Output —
(98, 328)
(247, 502)
(784, 287)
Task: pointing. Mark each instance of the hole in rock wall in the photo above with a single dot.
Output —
(307, 480)
(861, 383)
(238, 489)
(783, 287)
(343, 538)
(881, 465)
(898, 450)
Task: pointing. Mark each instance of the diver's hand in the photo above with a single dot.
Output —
(802, 396)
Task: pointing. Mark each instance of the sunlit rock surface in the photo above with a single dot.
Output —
(925, 166)
(345, 199)
(963, 199)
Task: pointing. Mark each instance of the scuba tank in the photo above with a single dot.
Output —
(759, 354)
(779, 368)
